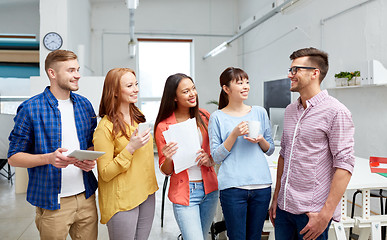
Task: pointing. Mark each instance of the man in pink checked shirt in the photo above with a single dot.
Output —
(316, 158)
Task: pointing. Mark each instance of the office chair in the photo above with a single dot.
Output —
(163, 199)
(216, 228)
(6, 125)
(4, 165)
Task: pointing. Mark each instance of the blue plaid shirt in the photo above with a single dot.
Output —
(38, 131)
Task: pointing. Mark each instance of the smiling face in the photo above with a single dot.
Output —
(238, 90)
(129, 88)
(302, 80)
(186, 94)
(65, 75)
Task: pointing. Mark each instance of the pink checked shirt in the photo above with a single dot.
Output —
(315, 142)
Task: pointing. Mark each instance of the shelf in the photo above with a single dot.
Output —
(357, 86)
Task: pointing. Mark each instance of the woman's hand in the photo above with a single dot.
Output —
(263, 144)
(203, 159)
(137, 141)
(241, 129)
(169, 150)
(254, 140)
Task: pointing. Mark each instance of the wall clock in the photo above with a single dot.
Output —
(52, 41)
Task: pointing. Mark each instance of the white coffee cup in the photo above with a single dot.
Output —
(254, 128)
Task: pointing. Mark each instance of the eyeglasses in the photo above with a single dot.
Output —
(293, 70)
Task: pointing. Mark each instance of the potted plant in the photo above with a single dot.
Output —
(354, 78)
(347, 78)
(357, 78)
(341, 79)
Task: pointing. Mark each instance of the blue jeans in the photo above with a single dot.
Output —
(288, 225)
(245, 212)
(195, 220)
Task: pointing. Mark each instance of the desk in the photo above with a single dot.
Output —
(364, 180)
(361, 179)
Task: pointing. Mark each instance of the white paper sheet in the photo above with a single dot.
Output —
(186, 135)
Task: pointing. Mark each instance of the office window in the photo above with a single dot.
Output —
(158, 59)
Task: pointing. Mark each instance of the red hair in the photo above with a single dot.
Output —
(111, 101)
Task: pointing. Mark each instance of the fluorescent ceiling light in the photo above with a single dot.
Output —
(132, 48)
(288, 5)
(217, 50)
(256, 22)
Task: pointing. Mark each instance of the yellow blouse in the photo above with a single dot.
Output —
(124, 180)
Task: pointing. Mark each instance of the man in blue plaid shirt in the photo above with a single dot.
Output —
(48, 126)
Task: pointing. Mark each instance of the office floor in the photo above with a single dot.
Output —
(17, 216)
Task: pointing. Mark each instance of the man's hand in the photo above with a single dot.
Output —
(57, 159)
(316, 225)
(85, 165)
(318, 222)
(273, 211)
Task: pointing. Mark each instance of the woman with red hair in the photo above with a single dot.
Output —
(126, 173)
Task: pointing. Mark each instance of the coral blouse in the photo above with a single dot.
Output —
(179, 185)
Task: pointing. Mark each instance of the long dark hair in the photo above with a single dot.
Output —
(111, 100)
(228, 75)
(168, 104)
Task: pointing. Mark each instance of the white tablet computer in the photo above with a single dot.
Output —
(85, 154)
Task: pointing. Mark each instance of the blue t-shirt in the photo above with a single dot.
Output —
(246, 163)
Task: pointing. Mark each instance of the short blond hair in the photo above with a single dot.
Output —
(58, 56)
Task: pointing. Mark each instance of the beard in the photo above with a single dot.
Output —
(68, 86)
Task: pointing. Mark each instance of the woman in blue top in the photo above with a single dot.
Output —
(244, 176)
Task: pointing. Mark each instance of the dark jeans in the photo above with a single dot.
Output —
(245, 212)
(288, 226)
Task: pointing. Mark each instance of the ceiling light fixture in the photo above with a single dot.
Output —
(132, 5)
(256, 22)
(217, 50)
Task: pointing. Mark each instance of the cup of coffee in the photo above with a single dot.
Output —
(254, 128)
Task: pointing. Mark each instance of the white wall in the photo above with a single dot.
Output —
(79, 31)
(71, 19)
(53, 18)
(19, 17)
(207, 22)
(350, 39)
(91, 88)
(368, 107)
